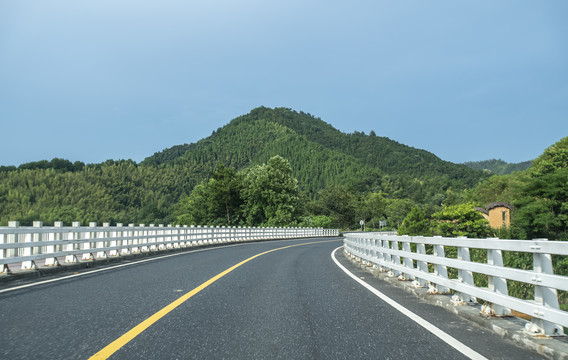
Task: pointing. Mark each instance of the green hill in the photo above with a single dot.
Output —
(320, 156)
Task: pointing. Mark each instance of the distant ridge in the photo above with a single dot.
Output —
(498, 166)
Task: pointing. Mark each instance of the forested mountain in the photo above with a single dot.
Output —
(498, 166)
(319, 155)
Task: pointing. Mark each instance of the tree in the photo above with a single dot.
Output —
(270, 194)
(318, 221)
(541, 196)
(461, 220)
(396, 210)
(194, 209)
(554, 158)
(213, 202)
(495, 188)
(338, 202)
(373, 208)
(416, 223)
(542, 208)
(225, 194)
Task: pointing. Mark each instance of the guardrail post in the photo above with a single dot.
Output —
(73, 245)
(116, 242)
(160, 237)
(144, 238)
(369, 252)
(151, 242)
(136, 249)
(464, 276)
(548, 297)
(192, 241)
(50, 249)
(395, 258)
(170, 236)
(184, 231)
(107, 238)
(198, 236)
(27, 251)
(129, 240)
(88, 244)
(377, 254)
(3, 255)
(177, 237)
(10, 239)
(386, 257)
(497, 284)
(407, 259)
(206, 234)
(381, 254)
(103, 236)
(422, 265)
(173, 236)
(31, 250)
(13, 238)
(440, 270)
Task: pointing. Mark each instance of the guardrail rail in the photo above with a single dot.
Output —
(27, 245)
(406, 257)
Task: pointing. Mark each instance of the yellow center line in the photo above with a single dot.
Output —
(110, 349)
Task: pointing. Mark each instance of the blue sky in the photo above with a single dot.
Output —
(96, 80)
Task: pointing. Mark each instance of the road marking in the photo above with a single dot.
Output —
(135, 262)
(110, 349)
(453, 342)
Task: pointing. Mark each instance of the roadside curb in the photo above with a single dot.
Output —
(506, 327)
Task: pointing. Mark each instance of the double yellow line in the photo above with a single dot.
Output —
(113, 347)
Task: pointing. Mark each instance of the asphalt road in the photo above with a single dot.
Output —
(294, 303)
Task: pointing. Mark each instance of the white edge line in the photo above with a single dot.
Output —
(453, 342)
(123, 265)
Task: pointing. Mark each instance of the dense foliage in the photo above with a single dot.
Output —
(264, 195)
(114, 191)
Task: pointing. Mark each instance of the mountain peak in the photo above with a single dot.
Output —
(320, 155)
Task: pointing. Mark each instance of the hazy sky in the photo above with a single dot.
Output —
(96, 80)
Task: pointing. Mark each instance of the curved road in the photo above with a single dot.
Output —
(292, 303)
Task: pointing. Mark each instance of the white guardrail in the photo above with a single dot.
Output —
(395, 254)
(27, 245)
